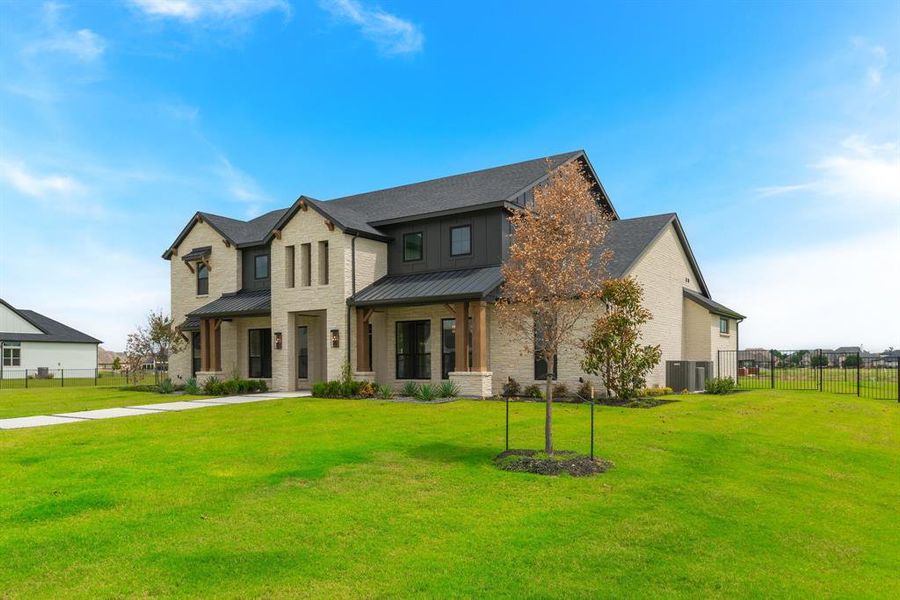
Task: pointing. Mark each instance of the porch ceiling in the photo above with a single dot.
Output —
(440, 286)
(242, 303)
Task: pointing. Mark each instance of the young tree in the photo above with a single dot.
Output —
(613, 350)
(553, 275)
(158, 339)
(117, 364)
(135, 355)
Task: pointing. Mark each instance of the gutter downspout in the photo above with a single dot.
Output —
(353, 291)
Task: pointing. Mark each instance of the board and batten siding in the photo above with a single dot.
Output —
(71, 356)
(10, 322)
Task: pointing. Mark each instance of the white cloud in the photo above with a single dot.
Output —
(53, 191)
(241, 187)
(838, 293)
(863, 174)
(877, 58)
(390, 33)
(84, 45)
(219, 10)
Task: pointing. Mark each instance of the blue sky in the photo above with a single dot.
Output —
(773, 129)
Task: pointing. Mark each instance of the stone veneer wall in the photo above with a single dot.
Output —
(224, 276)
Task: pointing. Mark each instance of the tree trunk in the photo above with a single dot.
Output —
(548, 424)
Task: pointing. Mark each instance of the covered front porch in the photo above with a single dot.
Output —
(407, 328)
(231, 337)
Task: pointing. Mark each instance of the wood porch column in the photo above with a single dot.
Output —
(479, 336)
(204, 345)
(363, 360)
(461, 312)
(217, 344)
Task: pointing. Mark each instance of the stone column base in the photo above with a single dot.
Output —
(473, 384)
(364, 376)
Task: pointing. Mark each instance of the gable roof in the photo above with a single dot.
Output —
(629, 239)
(239, 233)
(53, 331)
(711, 305)
(361, 214)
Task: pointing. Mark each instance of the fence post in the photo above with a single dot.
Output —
(26, 379)
(857, 374)
(898, 379)
(95, 376)
(819, 365)
(507, 421)
(62, 377)
(772, 367)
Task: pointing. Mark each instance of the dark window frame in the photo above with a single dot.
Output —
(413, 359)
(202, 281)
(454, 228)
(264, 370)
(421, 235)
(256, 275)
(540, 364)
(724, 325)
(195, 353)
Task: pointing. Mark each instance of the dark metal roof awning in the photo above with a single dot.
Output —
(197, 254)
(424, 288)
(243, 303)
(190, 324)
(711, 305)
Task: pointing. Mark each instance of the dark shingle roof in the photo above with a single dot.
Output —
(441, 286)
(711, 305)
(54, 331)
(255, 302)
(244, 233)
(628, 238)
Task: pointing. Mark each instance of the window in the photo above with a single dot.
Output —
(323, 263)
(306, 265)
(260, 352)
(448, 346)
(413, 350)
(540, 364)
(261, 266)
(202, 279)
(461, 240)
(195, 353)
(12, 354)
(289, 266)
(412, 246)
(723, 325)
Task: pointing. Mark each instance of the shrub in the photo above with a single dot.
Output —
(426, 392)
(191, 387)
(585, 390)
(366, 390)
(166, 386)
(350, 388)
(410, 389)
(560, 390)
(512, 388)
(533, 391)
(655, 391)
(719, 385)
(385, 392)
(212, 386)
(319, 389)
(448, 389)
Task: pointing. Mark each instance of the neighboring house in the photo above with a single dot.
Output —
(381, 280)
(106, 358)
(30, 341)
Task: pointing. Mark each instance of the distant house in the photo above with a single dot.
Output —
(36, 343)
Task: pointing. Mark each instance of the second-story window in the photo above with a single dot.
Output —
(412, 246)
(461, 240)
(202, 279)
(261, 266)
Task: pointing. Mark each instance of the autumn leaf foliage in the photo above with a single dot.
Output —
(553, 275)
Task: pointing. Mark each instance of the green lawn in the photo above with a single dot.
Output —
(755, 494)
(24, 403)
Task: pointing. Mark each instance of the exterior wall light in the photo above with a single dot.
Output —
(335, 338)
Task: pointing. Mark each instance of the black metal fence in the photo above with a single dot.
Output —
(47, 378)
(862, 374)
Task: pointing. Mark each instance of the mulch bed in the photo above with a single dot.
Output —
(535, 461)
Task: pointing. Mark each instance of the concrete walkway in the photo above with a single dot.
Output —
(140, 409)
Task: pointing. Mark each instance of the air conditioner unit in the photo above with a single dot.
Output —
(688, 375)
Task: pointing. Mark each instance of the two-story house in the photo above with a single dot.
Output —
(382, 280)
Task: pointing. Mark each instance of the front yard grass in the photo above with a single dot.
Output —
(765, 493)
(48, 401)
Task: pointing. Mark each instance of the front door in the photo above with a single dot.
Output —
(260, 353)
(303, 352)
